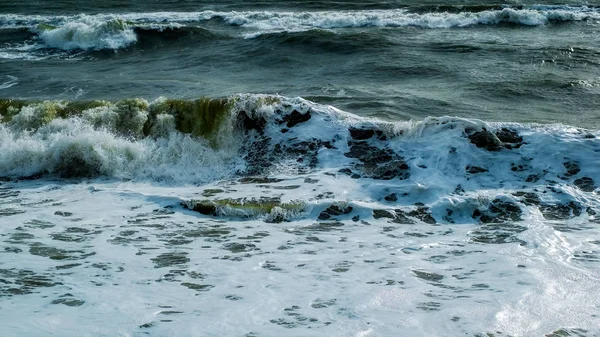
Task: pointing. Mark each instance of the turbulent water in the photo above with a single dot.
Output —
(309, 168)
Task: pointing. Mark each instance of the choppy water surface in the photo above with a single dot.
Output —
(184, 168)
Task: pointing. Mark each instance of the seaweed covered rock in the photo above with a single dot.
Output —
(243, 207)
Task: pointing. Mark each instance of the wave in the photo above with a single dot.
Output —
(117, 31)
(87, 34)
(267, 134)
(297, 157)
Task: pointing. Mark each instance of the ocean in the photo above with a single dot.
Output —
(299, 168)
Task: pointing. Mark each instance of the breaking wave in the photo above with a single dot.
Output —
(113, 32)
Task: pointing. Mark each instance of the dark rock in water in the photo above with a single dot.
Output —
(380, 135)
(510, 138)
(564, 332)
(498, 233)
(528, 198)
(328, 144)
(361, 134)
(396, 216)
(572, 168)
(506, 210)
(382, 213)
(503, 138)
(499, 211)
(296, 118)
(475, 169)
(277, 218)
(345, 170)
(334, 210)
(394, 169)
(378, 163)
(532, 178)
(61, 213)
(432, 277)
(561, 211)
(518, 168)
(257, 155)
(205, 208)
(401, 218)
(422, 213)
(304, 152)
(249, 123)
(585, 184)
(391, 197)
(367, 153)
(259, 180)
(484, 139)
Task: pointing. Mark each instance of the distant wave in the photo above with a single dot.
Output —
(117, 31)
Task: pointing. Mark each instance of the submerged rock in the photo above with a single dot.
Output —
(369, 154)
(499, 211)
(572, 168)
(383, 213)
(528, 198)
(391, 197)
(399, 216)
(498, 233)
(334, 210)
(585, 184)
(422, 213)
(561, 211)
(475, 169)
(377, 163)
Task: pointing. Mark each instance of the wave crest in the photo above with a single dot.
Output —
(88, 33)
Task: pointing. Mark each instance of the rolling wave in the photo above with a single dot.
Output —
(112, 31)
(249, 135)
